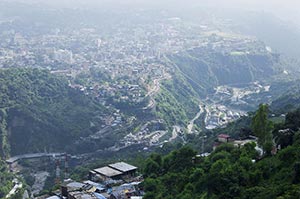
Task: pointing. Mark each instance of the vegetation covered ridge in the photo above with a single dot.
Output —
(232, 172)
(42, 108)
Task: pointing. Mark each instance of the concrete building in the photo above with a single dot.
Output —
(81, 195)
(116, 171)
(63, 56)
(224, 138)
(126, 169)
(77, 190)
(105, 173)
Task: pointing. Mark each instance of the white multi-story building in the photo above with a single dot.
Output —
(63, 56)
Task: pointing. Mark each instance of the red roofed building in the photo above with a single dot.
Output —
(224, 138)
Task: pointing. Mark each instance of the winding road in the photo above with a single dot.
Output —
(190, 126)
(155, 89)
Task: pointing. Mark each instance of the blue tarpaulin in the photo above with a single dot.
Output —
(99, 196)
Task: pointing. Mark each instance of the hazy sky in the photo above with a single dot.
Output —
(265, 3)
(283, 8)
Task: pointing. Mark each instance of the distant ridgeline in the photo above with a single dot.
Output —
(40, 112)
(290, 99)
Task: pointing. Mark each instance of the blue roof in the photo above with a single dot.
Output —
(99, 196)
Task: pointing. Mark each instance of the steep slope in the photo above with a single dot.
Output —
(198, 71)
(210, 68)
(289, 99)
(177, 101)
(6, 179)
(40, 112)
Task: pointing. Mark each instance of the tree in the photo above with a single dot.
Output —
(262, 127)
(151, 168)
(179, 160)
(293, 120)
(296, 173)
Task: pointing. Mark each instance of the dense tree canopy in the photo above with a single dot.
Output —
(230, 172)
(42, 107)
(262, 128)
(5, 180)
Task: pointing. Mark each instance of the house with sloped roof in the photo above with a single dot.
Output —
(116, 171)
(106, 173)
(126, 169)
(224, 138)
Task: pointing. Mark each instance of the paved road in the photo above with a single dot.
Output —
(18, 185)
(191, 123)
(175, 132)
(154, 90)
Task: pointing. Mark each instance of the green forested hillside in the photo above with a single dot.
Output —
(208, 68)
(177, 101)
(40, 112)
(196, 72)
(5, 180)
(289, 99)
(230, 172)
(227, 173)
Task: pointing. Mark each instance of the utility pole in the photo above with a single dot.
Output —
(57, 172)
(66, 166)
(202, 147)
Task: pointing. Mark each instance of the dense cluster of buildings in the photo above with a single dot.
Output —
(219, 115)
(235, 99)
(114, 181)
(130, 56)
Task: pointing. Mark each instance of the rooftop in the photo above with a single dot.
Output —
(81, 195)
(224, 136)
(107, 171)
(75, 185)
(122, 166)
(53, 197)
(243, 142)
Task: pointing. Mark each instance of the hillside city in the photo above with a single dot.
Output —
(144, 97)
(134, 64)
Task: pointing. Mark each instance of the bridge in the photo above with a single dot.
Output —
(32, 156)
